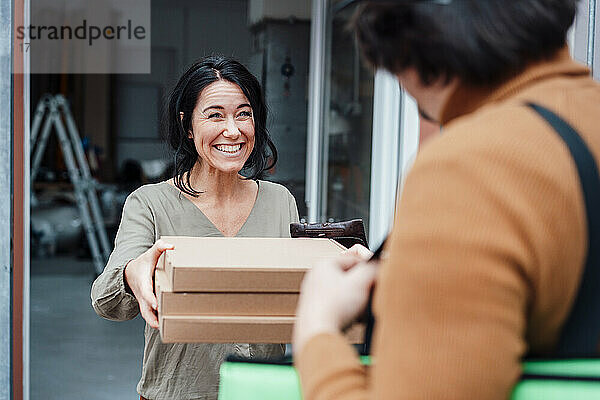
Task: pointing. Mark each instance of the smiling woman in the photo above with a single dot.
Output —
(222, 127)
(216, 120)
(199, 101)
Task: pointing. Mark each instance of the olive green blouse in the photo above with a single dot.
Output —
(181, 371)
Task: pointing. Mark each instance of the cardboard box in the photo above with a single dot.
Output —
(225, 329)
(241, 329)
(223, 290)
(222, 303)
(242, 264)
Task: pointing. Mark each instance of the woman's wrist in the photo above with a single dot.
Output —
(125, 282)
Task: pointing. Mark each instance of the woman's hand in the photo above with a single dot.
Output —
(139, 274)
(333, 294)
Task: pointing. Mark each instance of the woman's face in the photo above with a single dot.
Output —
(223, 127)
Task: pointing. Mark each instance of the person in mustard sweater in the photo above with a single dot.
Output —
(490, 238)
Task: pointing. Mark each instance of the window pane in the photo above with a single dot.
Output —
(348, 128)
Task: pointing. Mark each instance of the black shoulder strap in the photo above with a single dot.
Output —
(369, 317)
(581, 332)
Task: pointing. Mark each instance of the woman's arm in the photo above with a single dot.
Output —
(111, 297)
(293, 208)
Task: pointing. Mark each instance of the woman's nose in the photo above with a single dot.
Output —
(231, 130)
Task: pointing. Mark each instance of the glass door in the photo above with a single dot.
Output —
(360, 127)
(348, 125)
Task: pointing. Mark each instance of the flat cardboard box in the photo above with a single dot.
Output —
(228, 329)
(225, 329)
(222, 303)
(201, 264)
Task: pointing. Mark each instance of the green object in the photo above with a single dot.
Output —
(573, 379)
(556, 390)
(255, 381)
(589, 368)
(252, 381)
(249, 381)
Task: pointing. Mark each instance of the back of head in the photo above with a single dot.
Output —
(480, 42)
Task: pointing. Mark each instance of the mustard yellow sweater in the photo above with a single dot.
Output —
(486, 253)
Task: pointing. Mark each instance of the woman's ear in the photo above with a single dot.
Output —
(190, 136)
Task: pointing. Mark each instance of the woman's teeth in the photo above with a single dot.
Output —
(229, 148)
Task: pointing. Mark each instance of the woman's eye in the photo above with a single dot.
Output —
(245, 114)
(215, 115)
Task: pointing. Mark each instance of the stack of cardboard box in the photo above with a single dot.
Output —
(220, 290)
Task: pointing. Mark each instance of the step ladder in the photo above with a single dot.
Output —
(55, 109)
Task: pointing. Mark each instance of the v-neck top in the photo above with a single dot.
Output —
(208, 220)
(181, 370)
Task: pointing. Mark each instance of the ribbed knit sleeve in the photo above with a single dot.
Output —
(474, 252)
(340, 375)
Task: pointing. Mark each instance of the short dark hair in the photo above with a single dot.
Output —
(183, 99)
(480, 42)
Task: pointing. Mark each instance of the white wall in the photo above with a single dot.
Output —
(278, 9)
(182, 31)
(580, 34)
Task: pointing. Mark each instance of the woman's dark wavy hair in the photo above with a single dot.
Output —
(183, 99)
(480, 42)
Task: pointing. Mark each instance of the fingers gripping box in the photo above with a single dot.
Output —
(242, 264)
(222, 290)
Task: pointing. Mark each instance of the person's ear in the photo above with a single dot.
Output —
(190, 136)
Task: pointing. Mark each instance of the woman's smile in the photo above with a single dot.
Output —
(230, 149)
(223, 127)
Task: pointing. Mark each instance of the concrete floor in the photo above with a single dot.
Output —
(74, 353)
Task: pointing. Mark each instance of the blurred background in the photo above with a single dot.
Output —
(345, 135)
(118, 119)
